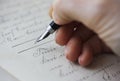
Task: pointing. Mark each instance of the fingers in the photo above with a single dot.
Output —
(74, 45)
(64, 33)
(84, 51)
(93, 46)
(73, 49)
(81, 44)
(86, 56)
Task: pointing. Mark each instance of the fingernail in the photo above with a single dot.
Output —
(66, 49)
(80, 60)
(66, 52)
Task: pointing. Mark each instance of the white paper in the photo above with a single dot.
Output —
(5, 76)
(21, 22)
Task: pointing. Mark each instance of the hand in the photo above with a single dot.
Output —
(89, 27)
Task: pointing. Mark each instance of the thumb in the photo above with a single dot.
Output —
(85, 11)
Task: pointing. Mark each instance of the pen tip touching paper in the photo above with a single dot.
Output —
(38, 40)
(43, 36)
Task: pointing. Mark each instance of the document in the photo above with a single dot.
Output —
(5, 76)
(21, 22)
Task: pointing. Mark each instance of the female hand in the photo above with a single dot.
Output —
(89, 27)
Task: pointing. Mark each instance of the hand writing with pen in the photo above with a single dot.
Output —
(89, 27)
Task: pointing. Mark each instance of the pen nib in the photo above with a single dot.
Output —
(43, 36)
(38, 39)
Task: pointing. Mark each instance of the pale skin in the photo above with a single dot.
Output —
(83, 23)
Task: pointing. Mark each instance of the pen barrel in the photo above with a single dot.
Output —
(54, 25)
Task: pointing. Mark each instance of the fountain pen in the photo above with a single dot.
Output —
(52, 27)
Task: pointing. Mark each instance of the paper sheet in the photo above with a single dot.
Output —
(21, 22)
(5, 76)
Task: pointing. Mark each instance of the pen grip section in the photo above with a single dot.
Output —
(54, 25)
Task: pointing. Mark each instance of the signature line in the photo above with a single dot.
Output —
(33, 47)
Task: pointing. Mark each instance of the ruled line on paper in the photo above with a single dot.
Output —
(27, 49)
